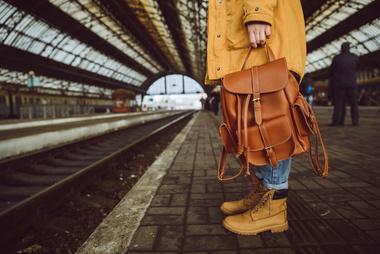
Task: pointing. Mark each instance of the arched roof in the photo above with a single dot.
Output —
(110, 44)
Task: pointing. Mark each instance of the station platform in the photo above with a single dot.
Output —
(174, 208)
(23, 136)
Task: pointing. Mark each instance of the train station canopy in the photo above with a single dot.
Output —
(102, 45)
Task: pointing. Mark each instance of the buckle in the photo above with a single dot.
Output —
(256, 99)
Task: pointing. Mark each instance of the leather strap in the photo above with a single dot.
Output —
(315, 164)
(271, 56)
(222, 166)
(256, 96)
(240, 143)
(268, 147)
(246, 146)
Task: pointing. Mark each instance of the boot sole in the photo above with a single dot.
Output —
(274, 229)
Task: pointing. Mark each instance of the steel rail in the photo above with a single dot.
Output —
(22, 215)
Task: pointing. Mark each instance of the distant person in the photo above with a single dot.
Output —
(207, 104)
(307, 88)
(343, 84)
(215, 98)
(203, 102)
(330, 96)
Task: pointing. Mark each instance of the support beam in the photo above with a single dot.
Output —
(43, 9)
(18, 60)
(360, 18)
(173, 21)
(125, 15)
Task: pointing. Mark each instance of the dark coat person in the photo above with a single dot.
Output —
(343, 84)
(215, 98)
(307, 88)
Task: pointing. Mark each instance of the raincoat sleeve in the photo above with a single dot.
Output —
(259, 10)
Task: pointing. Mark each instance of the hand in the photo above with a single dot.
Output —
(258, 32)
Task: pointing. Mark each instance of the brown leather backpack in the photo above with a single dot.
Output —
(266, 118)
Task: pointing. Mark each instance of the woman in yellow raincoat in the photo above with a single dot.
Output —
(233, 27)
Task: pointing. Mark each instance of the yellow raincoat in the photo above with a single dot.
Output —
(228, 41)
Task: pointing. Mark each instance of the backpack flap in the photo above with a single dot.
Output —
(272, 77)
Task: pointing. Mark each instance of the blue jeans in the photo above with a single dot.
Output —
(274, 178)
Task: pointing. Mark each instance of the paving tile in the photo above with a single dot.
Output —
(224, 252)
(375, 203)
(206, 202)
(210, 229)
(326, 183)
(363, 193)
(174, 189)
(215, 215)
(300, 211)
(299, 235)
(161, 200)
(374, 190)
(207, 196)
(296, 185)
(336, 195)
(205, 180)
(365, 208)
(166, 211)
(311, 184)
(364, 249)
(349, 232)
(163, 220)
(339, 249)
(179, 200)
(275, 240)
(197, 215)
(210, 242)
(346, 210)
(171, 238)
(233, 196)
(270, 250)
(198, 188)
(375, 234)
(324, 211)
(367, 224)
(214, 187)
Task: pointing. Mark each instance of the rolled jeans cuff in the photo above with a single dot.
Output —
(274, 178)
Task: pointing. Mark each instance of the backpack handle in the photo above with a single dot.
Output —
(270, 54)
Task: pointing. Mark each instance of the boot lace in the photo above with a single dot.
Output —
(254, 190)
(261, 201)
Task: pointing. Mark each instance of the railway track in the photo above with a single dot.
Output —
(34, 185)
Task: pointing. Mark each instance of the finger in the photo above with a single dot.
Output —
(252, 39)
(267, 32)
(257, 37)
(262, 38)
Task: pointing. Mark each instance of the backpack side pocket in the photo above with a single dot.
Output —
(303, 117)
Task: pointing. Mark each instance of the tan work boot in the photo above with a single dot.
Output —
(268, 214)
(243, 205)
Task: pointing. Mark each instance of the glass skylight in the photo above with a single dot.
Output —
(331, 14)
(99, 21)
(363, 40)
(37, 37)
